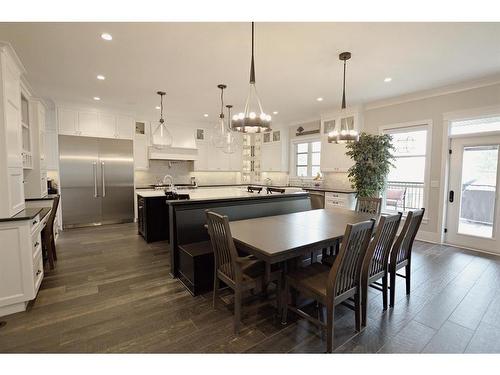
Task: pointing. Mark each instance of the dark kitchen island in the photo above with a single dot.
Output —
(187, 220)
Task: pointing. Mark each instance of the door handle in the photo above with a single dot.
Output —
(451, 196)
(103, 180)
(94, 168)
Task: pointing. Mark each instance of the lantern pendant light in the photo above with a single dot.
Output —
(222, 137)
(161, 136)
(252, 120)
(347, 132)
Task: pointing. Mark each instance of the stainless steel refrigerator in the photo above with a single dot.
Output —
(97, 181)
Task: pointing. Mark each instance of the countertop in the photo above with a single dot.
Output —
(326, 188)
(213, 193)
(48, 197)
(28, 214)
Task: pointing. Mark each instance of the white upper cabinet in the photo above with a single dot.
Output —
(125, 127)
(333, 157)
(94, 124)
(274, 152)
(67, 120)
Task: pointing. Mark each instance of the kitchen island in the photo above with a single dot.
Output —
(185, 221)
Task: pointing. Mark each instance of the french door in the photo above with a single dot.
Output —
(473, 196)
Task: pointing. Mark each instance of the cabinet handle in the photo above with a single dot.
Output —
(38, 272)
(35, 222)
(36, 244)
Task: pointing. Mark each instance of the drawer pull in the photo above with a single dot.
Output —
(38, 272)
(35, 222)
(36, 244)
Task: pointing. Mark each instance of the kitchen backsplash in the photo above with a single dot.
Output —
(182, 171)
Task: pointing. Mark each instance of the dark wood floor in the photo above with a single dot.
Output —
(111, 292)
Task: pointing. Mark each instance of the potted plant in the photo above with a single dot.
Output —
(373, 158)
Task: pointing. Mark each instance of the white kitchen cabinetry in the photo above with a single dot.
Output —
(94, 124)
(12, 191)
(340, 200)
(274, 152)
(21, 266)
(36, 178)
(214, 159)
(333, 157)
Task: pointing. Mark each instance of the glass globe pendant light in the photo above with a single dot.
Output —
(222, 136)
(161, 136)
(252, 120)
(347, 132)
(231, 139)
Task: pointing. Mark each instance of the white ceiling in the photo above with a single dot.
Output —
(295, 63)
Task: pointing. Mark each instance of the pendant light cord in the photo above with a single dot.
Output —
(221, 103)
(343, 89)
(252, 65)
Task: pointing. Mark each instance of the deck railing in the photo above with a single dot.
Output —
(412, 195)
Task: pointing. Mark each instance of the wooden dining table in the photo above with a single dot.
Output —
(275, 239)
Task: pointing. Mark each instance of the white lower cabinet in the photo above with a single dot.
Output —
(21, 266)
(340, 200)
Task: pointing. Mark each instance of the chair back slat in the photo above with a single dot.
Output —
(345, 272)
(222, 243)
(377, 255)
(369, 205)
(401, 250)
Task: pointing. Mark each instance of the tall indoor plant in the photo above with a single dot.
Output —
(373, 158)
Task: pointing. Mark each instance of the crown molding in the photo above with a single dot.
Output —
(440, 91)
(6, 46)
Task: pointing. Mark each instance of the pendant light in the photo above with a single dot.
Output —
(252, 120)
(161, 136)
(347, 132)
(232, 141)
(222, 137)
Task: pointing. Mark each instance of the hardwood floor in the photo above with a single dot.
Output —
(111, 292)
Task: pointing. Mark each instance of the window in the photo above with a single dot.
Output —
(307, 158)
(479, 125)
(407, 181)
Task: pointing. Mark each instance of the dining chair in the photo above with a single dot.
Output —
(369, 205)
(238, 273)
(48, 240)
(376, 261)
(401, 251)
(330, 286)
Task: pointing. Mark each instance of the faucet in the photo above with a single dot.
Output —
(170, 180)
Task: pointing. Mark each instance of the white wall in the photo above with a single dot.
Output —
(432, 108)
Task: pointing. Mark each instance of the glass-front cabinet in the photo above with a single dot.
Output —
(26, 133)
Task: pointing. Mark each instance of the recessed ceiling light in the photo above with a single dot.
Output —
(157, 107)
(106, 36)
(205, 115)
(387, 79)
(320, 99)
(100, 77)
(97, 98)
(275, 112)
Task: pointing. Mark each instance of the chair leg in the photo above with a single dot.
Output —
(357, 311)
(237, 310)
(364, 303)
(278, 297)
(384, 291)
(330, 316)
(216, 290)
(407, 274)
(392, 289)
(50, 256)
(53, 247)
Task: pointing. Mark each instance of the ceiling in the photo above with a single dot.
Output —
(295, 63)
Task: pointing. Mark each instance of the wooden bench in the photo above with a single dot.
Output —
(196, 266)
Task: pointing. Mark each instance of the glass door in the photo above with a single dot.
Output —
(473, 196)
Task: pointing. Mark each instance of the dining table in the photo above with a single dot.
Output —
(283, 239)
(275, 239)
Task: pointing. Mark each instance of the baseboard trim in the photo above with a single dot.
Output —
(12, 309)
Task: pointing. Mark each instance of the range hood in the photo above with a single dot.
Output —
(183, 146)
(173, 153)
